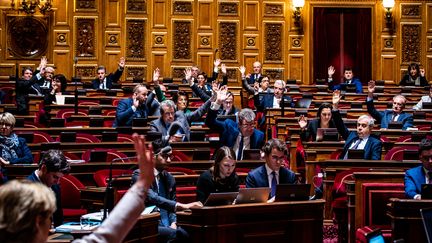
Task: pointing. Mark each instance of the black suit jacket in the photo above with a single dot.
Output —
(58, 214)
(110, 79)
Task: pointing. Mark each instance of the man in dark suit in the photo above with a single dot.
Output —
(256, 76)
(397, 114)
(175, 125)
(106, 82)
(273, 100)
(360, 139)
(52, 166)
(236, 135)
(162, 194)
(41, 80)
(272, 172)
(348, 79)
(415, 177)
(140, 105)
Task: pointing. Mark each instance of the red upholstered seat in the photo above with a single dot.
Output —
(101, 176)
(180, 156)
(84, 138)
(111, 155)
(124, 138)
(65, 113)
(396, 153)
(71, 198)
(186, 194)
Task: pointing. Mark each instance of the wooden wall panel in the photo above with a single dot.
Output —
(159, 19)
(389, 70)
(251, 13)
(159, 59)
(429, 17)
(63, 56)
(428, 66)
(205, 62)
(205, 15)
(113, 13)
(61, 16)
(296, 64)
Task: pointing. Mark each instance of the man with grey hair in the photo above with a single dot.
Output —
(175, 125)
(41, 79)
(360, 139)
(396, 115)
(273, 100)
(236, 135)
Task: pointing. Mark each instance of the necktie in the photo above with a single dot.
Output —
(240, 149)
(273, 184)
(394, 116)
(356, 144)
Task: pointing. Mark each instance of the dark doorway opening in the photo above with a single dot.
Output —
(342, 37)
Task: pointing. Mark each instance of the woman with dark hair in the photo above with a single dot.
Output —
(414, 77)
(182, 101)
(221, 177)
(58, 87)
(324, 120)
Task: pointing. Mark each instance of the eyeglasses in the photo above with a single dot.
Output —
(275, 158)
(167, 156)
(247, 125)
(7, 125)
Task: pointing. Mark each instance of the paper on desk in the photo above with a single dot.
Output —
(148, 210)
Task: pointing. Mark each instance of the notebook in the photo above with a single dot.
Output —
(222, 198)
(252, 195)
(292, 192)
(60, 99)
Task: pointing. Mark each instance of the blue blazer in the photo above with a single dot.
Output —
(373, 147)
(355, 81)
(258, 177)
(125, 114)
(166, 203)
(414, 178)
(58, 214)
(229, 131)
(384, 117)
(110, 79)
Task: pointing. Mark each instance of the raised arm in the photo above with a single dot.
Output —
(369, 102)
(337, 119)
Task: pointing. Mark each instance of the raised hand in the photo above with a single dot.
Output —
(145, 161)
(223, 69)
(188, 76)
(422, 72)
(122, 62)
(336, 98)
(242, 70)
(136, 102)
(302, 121)
(217, 62)
(156, 75)
(331, 70)
(371, 86)
(221, 94)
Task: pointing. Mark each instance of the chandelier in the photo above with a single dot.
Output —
(31, 6)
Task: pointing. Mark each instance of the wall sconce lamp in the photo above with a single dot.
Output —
(298, 5)
(31, 6)
(388, 5)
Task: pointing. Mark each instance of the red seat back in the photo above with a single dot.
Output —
(101, 176)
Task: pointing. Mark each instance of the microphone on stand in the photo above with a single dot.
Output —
(109, 191)
(76, 86)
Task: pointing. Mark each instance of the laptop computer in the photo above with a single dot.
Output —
(375, 236)
(327, 134)
(395, 125)
(356, 154)
(303, 103)
(426, 214)
(139, 122)
(253, 195)
(60, 99)
(426, 191)
(222, 198)
(427, 105)
(251, 154)
(67, 137)
(410, 154)
(292, 192)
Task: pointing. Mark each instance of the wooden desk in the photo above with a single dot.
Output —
(332, 167)
(300, 221)
(356, 203)
(406, 219)
(145, 230)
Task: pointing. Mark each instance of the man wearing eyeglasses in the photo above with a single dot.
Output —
(162, 194)
(416, 177)
(396, 115)
(272, 172)
(236, 135)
